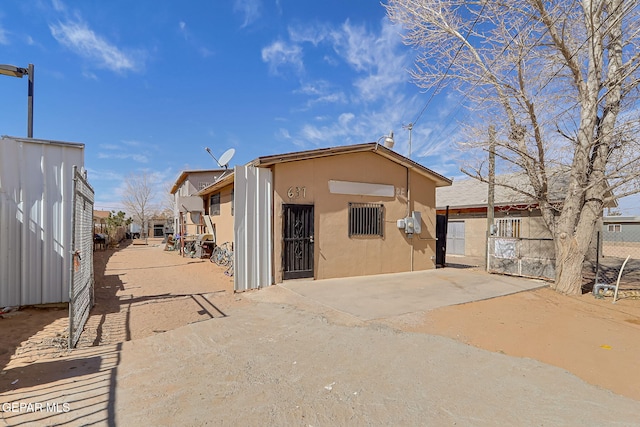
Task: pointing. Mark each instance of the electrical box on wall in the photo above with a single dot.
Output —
(411, 224)
(417, 222)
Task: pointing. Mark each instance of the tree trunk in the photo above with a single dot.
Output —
(569, 261)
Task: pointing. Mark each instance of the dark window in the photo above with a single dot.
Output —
(366, 219)
(214, 204)
(614, 228)
(232, 202)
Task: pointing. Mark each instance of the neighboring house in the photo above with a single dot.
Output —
(36, 217)
(100, 221)
(621, 228)
(515, 215)
(620, 237)
(188, 208)
(160, 225)
(326, 213)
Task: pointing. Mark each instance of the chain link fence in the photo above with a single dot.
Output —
(81, 296)
(615, 244)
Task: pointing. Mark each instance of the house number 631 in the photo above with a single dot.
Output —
(297, 192)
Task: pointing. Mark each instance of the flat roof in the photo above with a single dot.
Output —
(620, 219)
(45, 141)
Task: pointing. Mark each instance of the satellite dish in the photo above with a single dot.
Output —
(226, 157)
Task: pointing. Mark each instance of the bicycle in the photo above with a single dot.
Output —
(190, 248)
(222, 255)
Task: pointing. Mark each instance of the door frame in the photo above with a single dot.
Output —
(287, 244)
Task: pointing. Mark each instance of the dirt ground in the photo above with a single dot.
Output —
(178, 294)
(593, 339)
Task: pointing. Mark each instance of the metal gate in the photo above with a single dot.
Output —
(81, 295)
(298, 241)
(441, 240)
(526, 257)
(455, 238)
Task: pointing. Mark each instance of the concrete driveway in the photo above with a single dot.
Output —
(388, 295)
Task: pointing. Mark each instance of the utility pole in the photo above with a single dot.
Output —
(30, 103)
(491, 193)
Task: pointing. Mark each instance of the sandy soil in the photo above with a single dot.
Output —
(176, 292)
(143, 291)
(591, 338)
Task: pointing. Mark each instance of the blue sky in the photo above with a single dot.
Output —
(147, 85)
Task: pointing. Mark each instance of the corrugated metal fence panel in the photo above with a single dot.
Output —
(264, 220)
(253, 194)
(36, 180)
(9, 229)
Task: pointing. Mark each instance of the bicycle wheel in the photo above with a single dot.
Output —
(219, 256)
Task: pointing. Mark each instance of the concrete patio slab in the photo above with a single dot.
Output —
(388, 295)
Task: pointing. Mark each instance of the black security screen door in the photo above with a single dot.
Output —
(298, 241)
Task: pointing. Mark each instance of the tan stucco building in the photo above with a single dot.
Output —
(188, 208)
(326, 213)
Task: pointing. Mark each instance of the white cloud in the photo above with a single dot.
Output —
(280, 54)
(283, 134)
(377, 61)
(58, 5)
(251, 9)
(314, 33)
(322, 93)
(78, 37)
(193, 41)
(337, 133)
(379, 57)
(120, 151)
(140, 158)
(132, 143)
(3, 36)
(205, 52)
(89, 75)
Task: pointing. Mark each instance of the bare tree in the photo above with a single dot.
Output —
(138, 197)
(559, 80)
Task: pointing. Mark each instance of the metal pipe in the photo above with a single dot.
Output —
(491, 190)
(30, 104)
(615, 294)
(601, 287)
(72, 252)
